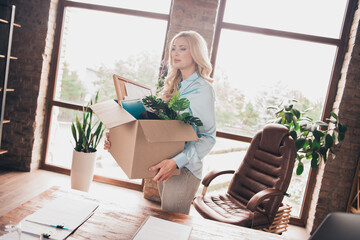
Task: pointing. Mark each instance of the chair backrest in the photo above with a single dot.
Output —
(268, 163)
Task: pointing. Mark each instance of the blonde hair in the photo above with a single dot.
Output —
(199, 53)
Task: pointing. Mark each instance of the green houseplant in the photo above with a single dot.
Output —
(314, 140)
(87, 135)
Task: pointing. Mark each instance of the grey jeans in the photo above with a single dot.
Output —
(178, 192)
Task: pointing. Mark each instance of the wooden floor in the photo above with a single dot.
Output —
(17, 188)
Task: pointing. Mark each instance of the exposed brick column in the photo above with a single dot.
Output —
(335, 178)
(29, 76)
(199, 16)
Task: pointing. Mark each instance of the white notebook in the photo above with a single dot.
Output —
(57, 219)
(160, 229)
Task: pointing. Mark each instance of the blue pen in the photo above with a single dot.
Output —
(59, 226)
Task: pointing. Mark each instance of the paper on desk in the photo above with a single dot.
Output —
(160, 229)
(32, 230)
(64, 211)
(136, 92)
(68, 212)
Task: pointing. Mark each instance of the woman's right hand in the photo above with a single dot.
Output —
(107, 143)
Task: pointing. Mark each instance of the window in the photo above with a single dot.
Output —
(266, 52)
(98, 41)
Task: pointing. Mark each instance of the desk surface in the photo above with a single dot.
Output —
(116, 220)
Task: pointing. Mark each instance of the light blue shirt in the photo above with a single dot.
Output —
(202, 105)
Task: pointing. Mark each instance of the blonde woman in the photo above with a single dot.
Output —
(189, 73)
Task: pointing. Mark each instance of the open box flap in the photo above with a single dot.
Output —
(167, 131)
(111, 114)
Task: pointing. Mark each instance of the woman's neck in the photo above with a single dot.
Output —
(185, 73)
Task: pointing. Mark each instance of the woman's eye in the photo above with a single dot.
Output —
(173, 49)
(183, 49)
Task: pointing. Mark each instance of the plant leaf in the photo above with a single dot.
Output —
(299, 143)
(317, 134)
(329, 142)
(293, 135)
(288, 116)
(334, 115)
(300, 168)
(314, 160)
(342, 128)
(323, 152)
(341, 136)
(296, 113)
(315, 145)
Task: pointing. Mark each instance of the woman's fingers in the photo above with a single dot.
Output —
(166, 170)
(107, 143)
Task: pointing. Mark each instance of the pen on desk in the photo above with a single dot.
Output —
(50, 225)
(59, 226)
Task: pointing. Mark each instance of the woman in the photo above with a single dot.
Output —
(189, 73)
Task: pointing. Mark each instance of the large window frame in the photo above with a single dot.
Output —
(63, 4)
(340, 43)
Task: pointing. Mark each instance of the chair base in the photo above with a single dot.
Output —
(281, 220)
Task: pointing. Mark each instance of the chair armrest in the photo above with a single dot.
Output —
(211, 176)
(260, 196)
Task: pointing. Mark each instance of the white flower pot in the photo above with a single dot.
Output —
(82, 170)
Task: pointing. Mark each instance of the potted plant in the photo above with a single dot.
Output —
(314, 140)
(87, 135)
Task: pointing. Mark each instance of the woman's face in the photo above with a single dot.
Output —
(181, 55)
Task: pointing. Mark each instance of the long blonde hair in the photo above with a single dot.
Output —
(199, 53)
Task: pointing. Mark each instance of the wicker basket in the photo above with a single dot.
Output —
(281, 220)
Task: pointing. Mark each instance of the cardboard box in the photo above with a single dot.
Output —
(136, 145)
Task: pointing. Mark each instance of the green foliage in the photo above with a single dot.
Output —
(162, 75)
(313, 139)
(87, 134)
(171, 110)
(71, 86)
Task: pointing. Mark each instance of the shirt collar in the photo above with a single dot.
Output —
(185, 83)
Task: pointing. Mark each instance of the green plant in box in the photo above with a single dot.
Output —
(87, 134)
(313, 139)
(171, 110)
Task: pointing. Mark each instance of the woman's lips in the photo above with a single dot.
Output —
(176, 60)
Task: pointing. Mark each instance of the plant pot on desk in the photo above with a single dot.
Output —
(82, 170)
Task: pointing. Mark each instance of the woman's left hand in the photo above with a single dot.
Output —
(166, 170)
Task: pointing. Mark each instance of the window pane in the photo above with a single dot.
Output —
(254, 72)
(61, 145)
(297, 189)
(226, 155)
(158, 6)
(320, 17)
(95, 45)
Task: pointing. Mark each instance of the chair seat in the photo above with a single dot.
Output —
(225, 208)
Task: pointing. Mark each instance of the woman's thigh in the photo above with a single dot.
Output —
(178, 192)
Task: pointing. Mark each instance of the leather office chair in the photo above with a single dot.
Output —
(257, 188)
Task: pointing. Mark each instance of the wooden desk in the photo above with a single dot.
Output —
(116, 220)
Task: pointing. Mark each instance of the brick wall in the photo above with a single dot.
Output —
(335, 178)
(32, 44)
(199, 16)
